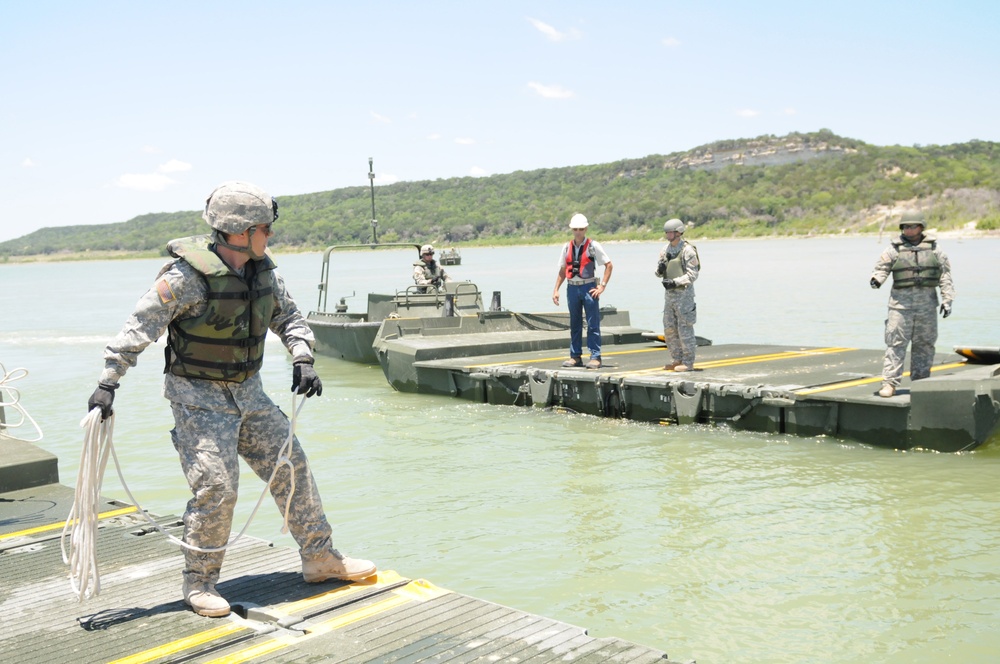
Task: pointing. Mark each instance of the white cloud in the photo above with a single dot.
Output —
(551, 91)
(28, 163)
(149, 149)
(670, 42)
(434, 137)
(381, 118)
(551, 33)
(791, 111)
(747, 113)
(465, 141)
(144, 181)
(174, 166)
(478, 172)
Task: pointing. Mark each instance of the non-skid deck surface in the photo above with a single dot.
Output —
(139, 616)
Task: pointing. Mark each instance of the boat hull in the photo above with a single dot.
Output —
(344, 336)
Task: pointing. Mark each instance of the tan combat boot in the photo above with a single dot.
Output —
(680, 368)
(335, 565)
(205, 599)
(887, 390)
(671, 366)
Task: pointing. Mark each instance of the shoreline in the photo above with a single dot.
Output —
(83, 256)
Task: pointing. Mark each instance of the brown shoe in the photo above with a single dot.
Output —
(335, 565)
(681, 368)
(573, 362)
(595, 363)
(205, 599)
(671, 366)
(887, 391)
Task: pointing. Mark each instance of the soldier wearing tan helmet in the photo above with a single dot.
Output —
(577, 267)
(678, 267)
(919, 269)
(216, 300)
(427, 272)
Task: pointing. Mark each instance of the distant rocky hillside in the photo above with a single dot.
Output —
(810, 183)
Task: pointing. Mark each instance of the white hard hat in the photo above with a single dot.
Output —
(578, 221)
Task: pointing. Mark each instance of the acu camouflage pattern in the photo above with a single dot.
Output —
(214, 420)
(209, 445)
(680, 313)
(912, 318)
(226, 341)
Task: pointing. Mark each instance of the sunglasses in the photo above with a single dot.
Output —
(909, 226)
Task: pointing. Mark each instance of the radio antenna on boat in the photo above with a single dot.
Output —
(371, 182)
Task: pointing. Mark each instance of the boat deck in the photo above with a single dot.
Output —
(781, 389)
(139, 616)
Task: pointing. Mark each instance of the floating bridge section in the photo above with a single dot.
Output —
(508, 359)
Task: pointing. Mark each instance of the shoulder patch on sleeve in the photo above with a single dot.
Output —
(164, 291)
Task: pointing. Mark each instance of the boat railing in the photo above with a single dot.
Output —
(324, 276)
(466, 296)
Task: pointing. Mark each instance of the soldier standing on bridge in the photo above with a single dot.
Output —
(216, 300)
(918, 270)
(678, 267)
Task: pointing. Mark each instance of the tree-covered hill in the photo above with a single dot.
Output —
(795, 184)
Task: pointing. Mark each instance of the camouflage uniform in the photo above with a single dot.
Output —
(425, 274)
(680, 313)
(912, 317)
(217, 421)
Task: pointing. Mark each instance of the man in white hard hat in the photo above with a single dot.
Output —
(577, 267)
(678, 269)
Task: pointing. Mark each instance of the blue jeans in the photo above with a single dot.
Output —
(580, 301)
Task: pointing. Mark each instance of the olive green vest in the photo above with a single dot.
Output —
(675, 267)
(916, 265)
(226, 342)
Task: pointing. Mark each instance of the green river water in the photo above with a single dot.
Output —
(709, 544)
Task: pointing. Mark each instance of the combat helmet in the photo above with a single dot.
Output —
(912, 217)
(427, 249)
(674, 225)
(235, 206)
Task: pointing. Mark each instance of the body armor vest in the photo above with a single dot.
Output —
(916, 265)
(226, 342)
(675, 266)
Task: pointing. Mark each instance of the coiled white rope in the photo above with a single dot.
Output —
(10, 398)
(82, 523)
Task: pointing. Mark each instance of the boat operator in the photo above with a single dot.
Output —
(427, 272)
(919, 268)
(678, 267)
(216, 301)
(583, 290)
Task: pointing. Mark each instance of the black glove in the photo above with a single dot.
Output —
(436, 282)
(661, 267)
(875, 284)
(945, 310)
(304, 379)
(102, 398)
(669, 284)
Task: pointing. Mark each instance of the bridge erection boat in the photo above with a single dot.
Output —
(806, 391)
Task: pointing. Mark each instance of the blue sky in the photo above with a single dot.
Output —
(114, 109)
